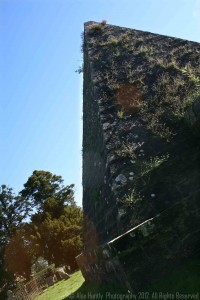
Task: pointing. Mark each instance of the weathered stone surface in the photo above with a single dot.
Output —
(121, 179)
(148, 250)
(139, 160)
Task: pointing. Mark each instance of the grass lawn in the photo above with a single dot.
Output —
(183, 280)
(63, 288)
(75, 288)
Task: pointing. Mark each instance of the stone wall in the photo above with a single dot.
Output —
(97, 194)
(142, 255)
(140, 158)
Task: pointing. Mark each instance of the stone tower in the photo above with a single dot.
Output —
(140, 158)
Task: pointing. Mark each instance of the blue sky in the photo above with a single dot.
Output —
(40, 93)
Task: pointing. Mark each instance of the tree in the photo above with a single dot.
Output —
(19, 255)
(13, 210)
(42, 185)
(59, 240)
(56, 226)
(42, 221)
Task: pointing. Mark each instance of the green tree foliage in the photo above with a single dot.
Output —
(18, 254)
(42, 185)
(53, 229)
(56, 226)
(13, 210)
(59, 239)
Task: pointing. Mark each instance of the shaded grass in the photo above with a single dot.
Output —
(184, 280)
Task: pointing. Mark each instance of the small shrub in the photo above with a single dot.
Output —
(112, 82)
(127, 150)
(190, 72)
(120, 114)
(98, 26)
(103, 22)
(143, 49)
(160, 129)
(113, 41)
(79, 70)
(130, 199)
(153, 163)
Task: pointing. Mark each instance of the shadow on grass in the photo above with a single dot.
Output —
(181, 283)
